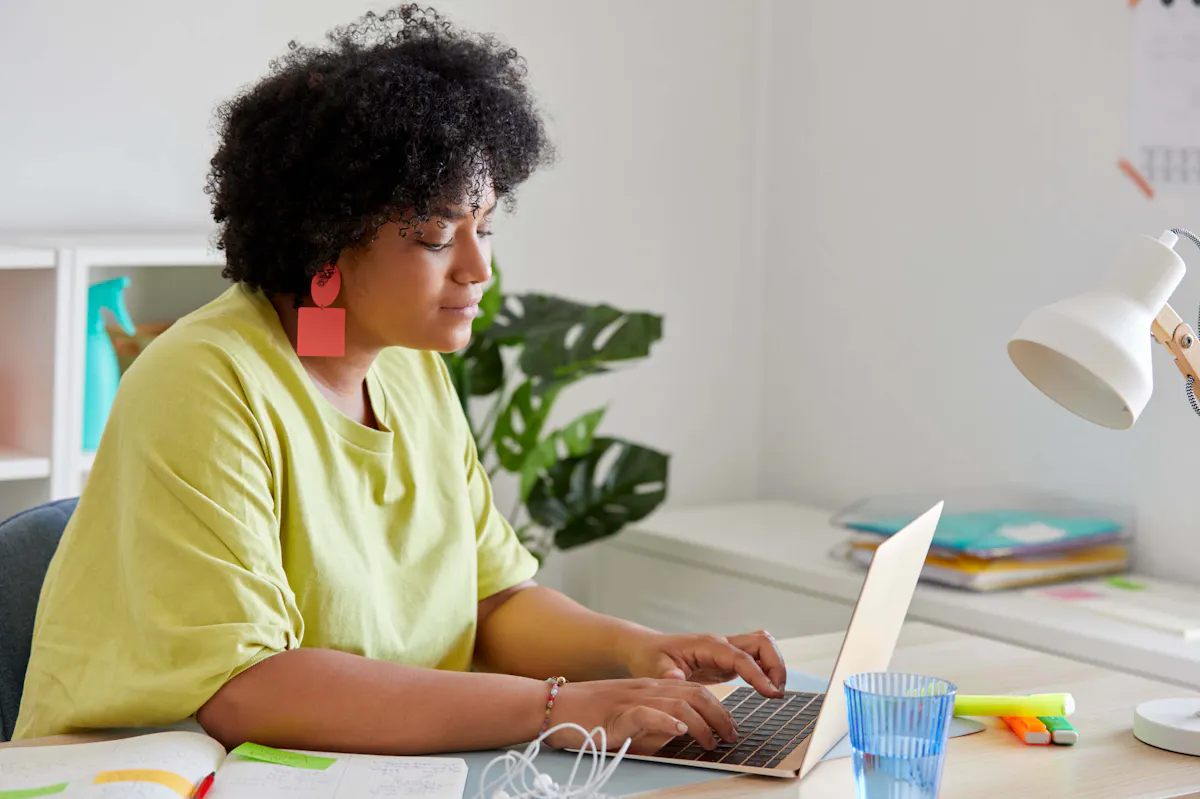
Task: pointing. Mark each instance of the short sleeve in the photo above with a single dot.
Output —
(169, 580)
(503, 559)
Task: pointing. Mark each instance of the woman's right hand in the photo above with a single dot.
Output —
(651, 712)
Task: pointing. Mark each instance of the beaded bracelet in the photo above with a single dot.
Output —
(555, 683)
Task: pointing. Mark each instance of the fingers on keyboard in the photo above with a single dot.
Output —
(770, 730)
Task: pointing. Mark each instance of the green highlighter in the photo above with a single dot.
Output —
(1061, 731)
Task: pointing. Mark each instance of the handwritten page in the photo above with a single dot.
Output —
(1166, 93)
(157, 766)
(438, 778)
(351, 776)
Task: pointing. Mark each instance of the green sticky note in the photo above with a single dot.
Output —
(30, 793)
(1127, 584)
(281, 757)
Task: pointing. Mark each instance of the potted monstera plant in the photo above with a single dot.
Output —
(575, 485)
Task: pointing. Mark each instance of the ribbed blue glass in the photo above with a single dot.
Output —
(899, 725)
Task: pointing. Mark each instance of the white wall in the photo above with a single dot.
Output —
(938, 169)
(929, 171)
(105, 123)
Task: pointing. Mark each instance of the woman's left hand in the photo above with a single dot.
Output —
(709, 659)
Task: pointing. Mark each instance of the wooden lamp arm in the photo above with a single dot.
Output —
(1173, 333)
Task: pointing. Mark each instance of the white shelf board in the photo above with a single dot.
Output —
(158, 255)
(68, 239)
(15, 465)
(13, 257)
(87, 461)
(126, 250)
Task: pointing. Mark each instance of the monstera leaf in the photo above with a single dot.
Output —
(523, 315)
(573, 486)
(519, 426)
(485, 367)
(561, 338)
(583, 499)
(572, 441)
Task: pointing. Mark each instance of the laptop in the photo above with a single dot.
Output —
(787, 737)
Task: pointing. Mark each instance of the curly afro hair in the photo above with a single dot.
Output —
(400, 116)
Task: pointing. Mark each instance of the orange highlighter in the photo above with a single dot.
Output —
(1031, 731)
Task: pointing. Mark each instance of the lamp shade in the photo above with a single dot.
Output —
(1091, 353)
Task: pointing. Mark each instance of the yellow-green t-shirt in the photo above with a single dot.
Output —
(233, 513)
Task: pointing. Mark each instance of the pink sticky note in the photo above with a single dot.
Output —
(321, 332)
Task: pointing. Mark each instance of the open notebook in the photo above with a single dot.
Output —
(169, 765)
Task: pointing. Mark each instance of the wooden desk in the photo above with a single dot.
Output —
(1107, 762)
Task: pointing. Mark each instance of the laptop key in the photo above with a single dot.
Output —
(743, 751)
(789, 747)
(769, 729)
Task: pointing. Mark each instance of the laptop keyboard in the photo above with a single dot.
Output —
(768, 730)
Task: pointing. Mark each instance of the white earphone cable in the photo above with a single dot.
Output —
(522, 780)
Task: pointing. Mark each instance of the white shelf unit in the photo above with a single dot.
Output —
(14, 257)
(34, 285)
(44, 281)
(17, 465)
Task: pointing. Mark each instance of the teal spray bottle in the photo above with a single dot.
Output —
(102, 373)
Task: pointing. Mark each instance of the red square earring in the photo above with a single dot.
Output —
(321, 331)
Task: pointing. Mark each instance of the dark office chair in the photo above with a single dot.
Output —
(27, 543)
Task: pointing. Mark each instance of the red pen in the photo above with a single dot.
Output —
(202, 789)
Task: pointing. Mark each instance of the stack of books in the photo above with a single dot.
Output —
(987, 550)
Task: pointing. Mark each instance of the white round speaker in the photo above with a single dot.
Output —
(1170, 724)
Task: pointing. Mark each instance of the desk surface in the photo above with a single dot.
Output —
(1107, 762)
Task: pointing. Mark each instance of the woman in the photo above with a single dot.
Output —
(302, 549)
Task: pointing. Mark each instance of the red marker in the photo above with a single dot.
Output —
(202, 789)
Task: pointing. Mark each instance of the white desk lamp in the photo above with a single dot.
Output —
(1090, 354)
